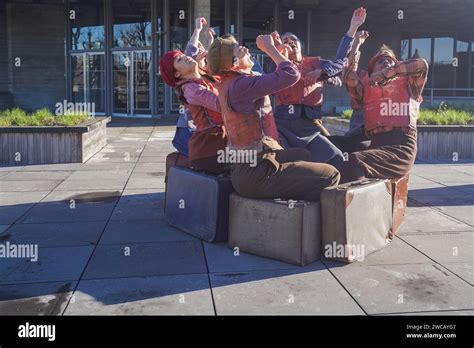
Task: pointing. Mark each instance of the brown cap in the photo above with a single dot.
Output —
(220, 55)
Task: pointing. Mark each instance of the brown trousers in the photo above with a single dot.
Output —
(285, 174)
(390, 155)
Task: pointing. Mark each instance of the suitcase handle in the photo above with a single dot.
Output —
(355, 183)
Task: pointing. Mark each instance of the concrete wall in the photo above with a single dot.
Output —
(202, 8)
(36, 35)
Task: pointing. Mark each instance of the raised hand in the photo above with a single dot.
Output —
(199, 23)
(358, 17)
(265, 43)
(360, 37)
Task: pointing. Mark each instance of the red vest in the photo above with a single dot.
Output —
(203, 118)
(209, 137)
(299, 93)
(390, 105)
(254, 131)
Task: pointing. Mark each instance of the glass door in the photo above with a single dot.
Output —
(132, 83)
(88, 79)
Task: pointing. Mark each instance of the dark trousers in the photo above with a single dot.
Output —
(350, 144)
(390, 155)
(285, 174)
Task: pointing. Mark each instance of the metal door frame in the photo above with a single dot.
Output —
(130, 84)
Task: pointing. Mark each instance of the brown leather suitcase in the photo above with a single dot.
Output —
(356, 219)
(176, 159)
(399, 202)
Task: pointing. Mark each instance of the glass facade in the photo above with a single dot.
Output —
(87, 25)
(114, 46)
(449, 57)
(131, 23)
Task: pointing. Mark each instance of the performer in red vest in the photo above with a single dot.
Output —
(299, 106)
(390, 96)
(251, 129)
(198, 94)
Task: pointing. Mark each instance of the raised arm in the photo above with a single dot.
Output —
(330, 68)
(416, 69)
(286, 74)
(350, 77)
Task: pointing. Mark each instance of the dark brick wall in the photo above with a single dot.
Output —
(3, 49)
(36, 35)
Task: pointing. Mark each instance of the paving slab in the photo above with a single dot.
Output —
(140, 205)
(146, 180)
(14, 204)
(96, 166)
(281, 292)
(444, 247)
(3, 228)
(55, 234)
(463, 270)
(440, 313)
(48, 167)
(73, 206)
(220, 258)
(54, 264)
(450, 176)
(28, 186)
(405, 288)
(453, 250)
(141, 231)
(153, 167)
(154, 159)
(146, 259)
(462, 213)
(100, 175)
(166, 295)
(38, 175)
(106, 158)
(464, 188)
(396, 253)
(426, 219)
(35, 299)
(97, 184)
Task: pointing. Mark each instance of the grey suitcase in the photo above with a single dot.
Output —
(356, 219)
(288, 231)
(198, 203)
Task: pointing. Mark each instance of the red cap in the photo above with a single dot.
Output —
(167, 67)
(380, 54)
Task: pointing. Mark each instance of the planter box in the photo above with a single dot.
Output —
(435, 143)
(52, 145)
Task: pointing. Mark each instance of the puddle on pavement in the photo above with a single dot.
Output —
(95, 197)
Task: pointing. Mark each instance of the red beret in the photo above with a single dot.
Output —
(167, 67)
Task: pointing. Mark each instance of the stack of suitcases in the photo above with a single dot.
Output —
(352, 220)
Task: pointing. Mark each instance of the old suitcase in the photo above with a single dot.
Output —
(288, 231)
(198, 203)
(175, 159)
(356, 219)
(399, 202)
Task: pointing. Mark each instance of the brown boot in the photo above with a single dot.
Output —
(319, 124)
